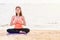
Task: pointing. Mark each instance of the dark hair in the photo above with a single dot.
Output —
(20, 14)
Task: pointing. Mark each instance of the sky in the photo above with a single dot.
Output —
(30, 1)
(36, 12)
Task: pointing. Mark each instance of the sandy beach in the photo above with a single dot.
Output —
(32, 35)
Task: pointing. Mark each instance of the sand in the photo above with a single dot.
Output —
(32, 35)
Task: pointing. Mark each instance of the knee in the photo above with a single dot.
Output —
(28, 30)
(8, 30)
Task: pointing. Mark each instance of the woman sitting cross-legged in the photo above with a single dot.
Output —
(18, 20)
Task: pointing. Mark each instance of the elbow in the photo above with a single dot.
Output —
(11, 24)
(24, 24)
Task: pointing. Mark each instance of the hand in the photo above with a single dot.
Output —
(15, 21)
(19, 21)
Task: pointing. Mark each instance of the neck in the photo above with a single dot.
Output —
(18, 14)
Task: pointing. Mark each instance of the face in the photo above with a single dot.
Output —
(17, 10)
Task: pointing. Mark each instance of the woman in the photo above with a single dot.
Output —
(18, 20)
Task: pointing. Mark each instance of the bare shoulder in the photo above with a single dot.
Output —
(22, 16)
(13, 16)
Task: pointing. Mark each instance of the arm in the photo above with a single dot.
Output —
(24, 22)
(11, 23)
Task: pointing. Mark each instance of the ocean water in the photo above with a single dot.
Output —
(36, 27)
